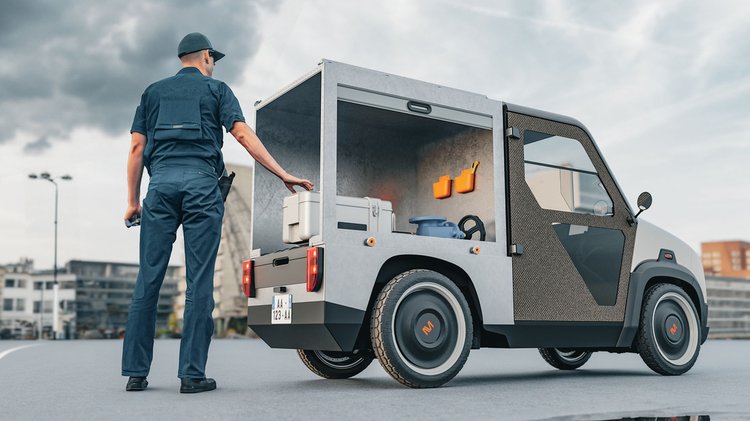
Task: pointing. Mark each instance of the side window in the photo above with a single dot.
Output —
(562, 177)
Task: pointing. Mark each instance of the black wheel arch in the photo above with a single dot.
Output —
(399, 264)
(661, 271)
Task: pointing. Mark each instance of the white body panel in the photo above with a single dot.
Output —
(650, 239)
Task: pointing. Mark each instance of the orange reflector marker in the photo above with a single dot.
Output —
(314, 268)
(475, 250)
(247, 278)
(370, 241)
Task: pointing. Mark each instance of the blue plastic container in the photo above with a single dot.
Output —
(436, 226)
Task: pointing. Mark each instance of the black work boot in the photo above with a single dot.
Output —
(136, 384)
(197, 385)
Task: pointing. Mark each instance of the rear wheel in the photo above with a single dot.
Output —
(669, 333)
(564, 358)
(421, 329)
(335, 365)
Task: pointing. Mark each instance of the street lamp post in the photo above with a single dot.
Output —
(55, 287)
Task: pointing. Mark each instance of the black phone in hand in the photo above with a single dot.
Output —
(134, 220)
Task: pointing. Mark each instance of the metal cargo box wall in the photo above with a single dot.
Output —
(289, 127)
(397, 157)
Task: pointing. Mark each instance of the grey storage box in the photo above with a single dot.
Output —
(301, 215)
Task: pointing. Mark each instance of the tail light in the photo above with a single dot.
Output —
(314, 268)
(247, 278)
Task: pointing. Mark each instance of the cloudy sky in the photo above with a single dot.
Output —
(664, 87)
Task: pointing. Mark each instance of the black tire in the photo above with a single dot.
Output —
(564, 358)
(421, 329)
(669, 333)
(335, 365)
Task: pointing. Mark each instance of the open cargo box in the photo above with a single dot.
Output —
(379, 146)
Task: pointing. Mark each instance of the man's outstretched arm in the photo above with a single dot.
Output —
(135, 173)
(252, 144)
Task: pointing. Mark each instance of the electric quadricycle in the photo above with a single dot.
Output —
(445, 221)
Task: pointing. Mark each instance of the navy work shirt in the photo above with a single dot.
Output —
(181, 117)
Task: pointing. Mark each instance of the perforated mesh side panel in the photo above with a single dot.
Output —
(546, 284)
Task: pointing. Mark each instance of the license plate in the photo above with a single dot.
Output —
(281, 309)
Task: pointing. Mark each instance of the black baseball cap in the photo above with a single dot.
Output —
(195, 41)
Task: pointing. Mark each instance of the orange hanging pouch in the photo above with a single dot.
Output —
(442, 188)
(465, 181)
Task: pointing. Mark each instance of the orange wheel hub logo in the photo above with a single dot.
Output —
(673, 329)
(428, 328)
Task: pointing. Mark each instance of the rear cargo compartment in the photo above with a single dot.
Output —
(397, 157)
(379, 163)
(390, 167)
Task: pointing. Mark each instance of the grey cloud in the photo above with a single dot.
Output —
(38, 146)
(84, 64)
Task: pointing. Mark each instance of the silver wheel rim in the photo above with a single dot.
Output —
(460, 320)
(571, 356)
(333, 362)
(692, 326)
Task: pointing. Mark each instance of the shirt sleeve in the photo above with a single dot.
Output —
(229, 108)
(139, 120)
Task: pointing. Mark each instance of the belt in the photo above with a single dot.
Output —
(184, 163)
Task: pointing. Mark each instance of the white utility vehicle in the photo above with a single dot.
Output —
(447, 221)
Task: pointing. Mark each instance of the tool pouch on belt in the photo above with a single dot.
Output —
(179, 118)
(225, 183)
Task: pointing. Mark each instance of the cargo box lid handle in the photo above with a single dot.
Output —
(419, 107)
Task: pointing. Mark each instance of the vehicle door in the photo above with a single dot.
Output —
(569, 235)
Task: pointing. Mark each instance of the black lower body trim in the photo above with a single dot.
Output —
(316, 325)
(544, 334)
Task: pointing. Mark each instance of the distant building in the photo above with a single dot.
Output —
(728, 307)
(726, 258)
(4, 333)
(230, 304)
(23, 291)
(43, 284)
(727, 268)
(93, 298)
(104, 291)
(24, 265)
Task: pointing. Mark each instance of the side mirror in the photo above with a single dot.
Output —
(644, 202)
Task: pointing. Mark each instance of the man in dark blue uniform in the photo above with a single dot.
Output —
(177, 137)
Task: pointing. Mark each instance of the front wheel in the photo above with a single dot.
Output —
(669, 333)
(565, 359)
(421, 329)
(335, 365)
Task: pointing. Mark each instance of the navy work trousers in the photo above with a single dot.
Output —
(187, 194)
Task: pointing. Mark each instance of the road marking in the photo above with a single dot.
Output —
(8, 351)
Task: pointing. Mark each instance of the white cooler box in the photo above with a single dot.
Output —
(301, 215)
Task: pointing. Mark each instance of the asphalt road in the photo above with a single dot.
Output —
(80, 380)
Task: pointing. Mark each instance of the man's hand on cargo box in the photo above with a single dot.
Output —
(250, 141)
(290, 181)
